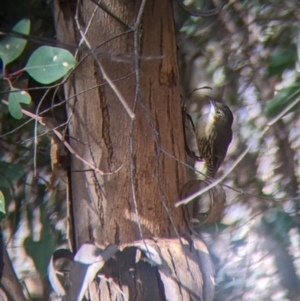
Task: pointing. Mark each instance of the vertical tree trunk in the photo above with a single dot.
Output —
(103, 133)
(136, 196)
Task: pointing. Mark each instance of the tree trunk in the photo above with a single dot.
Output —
(134, 198)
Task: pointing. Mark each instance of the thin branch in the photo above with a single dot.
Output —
(38, 39)
(239, 159)
(61, 103)
(115, 89)
(131, 147)
(239, 191)
(35, 143)
(105, 75)
(41, 120)
(104, 8)
(83, 39)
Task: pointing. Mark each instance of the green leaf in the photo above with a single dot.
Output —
(12, 47)
(282, 99)
(48, 64)
(282, 59)
(2, 206)
(16, 97)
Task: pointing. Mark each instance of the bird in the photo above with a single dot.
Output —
(214, 134)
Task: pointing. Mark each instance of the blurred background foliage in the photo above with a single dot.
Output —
(35, 224)
(249, 54)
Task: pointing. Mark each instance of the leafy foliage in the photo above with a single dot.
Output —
(256, 46)
(24, 165)
(46, 65)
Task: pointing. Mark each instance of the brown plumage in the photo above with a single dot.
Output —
(214, 134)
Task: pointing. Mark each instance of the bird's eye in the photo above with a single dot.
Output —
(218, 112)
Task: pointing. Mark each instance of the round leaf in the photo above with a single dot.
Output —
(12, 47)
(16, 97)
(2, 205)
(48, 64)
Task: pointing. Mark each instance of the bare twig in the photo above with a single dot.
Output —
(241, 156)
(116, 90)
(105, 75)
(104, 8)
(61, 103)
(41, 120)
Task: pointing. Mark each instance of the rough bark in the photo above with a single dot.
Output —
(147, 180)
(100, 128)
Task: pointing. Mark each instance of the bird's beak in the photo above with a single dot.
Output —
(212, 111)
